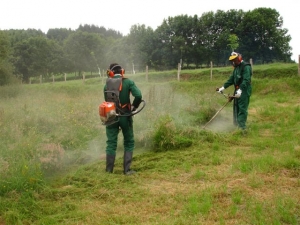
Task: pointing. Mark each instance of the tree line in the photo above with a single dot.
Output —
(194, 41)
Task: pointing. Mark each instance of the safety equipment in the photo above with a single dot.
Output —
(127, 163)
(111, 109)
(110, 163)
(220, 90)
(238, 93)
(235, 55)
(111, 72)
(107, 112)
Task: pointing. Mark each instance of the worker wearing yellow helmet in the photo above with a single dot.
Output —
(241, 79)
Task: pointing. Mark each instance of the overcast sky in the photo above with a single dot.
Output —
(120, 15)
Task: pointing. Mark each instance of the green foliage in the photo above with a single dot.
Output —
(255, 41)
(194, 41)
(6, 68)
(233, 42)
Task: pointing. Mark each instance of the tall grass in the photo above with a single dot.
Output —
(53, 146)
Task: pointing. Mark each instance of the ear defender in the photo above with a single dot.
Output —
(240, 58)
(111, 73)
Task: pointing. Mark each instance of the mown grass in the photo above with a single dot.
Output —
(52, 154)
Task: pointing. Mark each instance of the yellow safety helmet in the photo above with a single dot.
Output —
(234, 55)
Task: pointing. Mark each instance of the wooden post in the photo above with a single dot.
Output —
(133, 71)
(83, 77)
(41, 77)
(178, 73)
(99, 71)
(65, 77)
(52, 78)
(146, 73)
(211, 66)
(251, 62)
(102, 81)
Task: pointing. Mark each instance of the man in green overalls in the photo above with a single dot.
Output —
(241, 79)
(125, 87)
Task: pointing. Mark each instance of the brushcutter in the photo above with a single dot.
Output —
(108, 112)
(229, 99)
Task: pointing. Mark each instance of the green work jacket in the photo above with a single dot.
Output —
(241, 78)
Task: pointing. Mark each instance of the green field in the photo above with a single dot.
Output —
(52, 151)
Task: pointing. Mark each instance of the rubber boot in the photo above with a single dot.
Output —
(127, 163)
(110, 162)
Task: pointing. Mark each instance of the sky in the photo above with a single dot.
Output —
(120, 15)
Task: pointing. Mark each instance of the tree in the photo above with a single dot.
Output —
(177, 37)
(34, 57)
(262, 36)
(82, 49)
(100, 30)
(59, 34)
(6, 67)
(139, 45)
(233, 42)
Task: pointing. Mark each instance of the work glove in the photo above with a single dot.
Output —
(238, 93)
(220, 90)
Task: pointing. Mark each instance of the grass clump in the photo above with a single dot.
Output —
(168, 137)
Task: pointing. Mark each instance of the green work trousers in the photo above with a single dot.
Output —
(125, 124)
(240, 111)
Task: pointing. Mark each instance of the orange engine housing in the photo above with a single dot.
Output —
(107, 111)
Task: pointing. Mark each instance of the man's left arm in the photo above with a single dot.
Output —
(137, 94)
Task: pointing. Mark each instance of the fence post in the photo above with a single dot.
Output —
(178, 73)
(133, 71)
(65, 77)
(52, 78)
(146, 73)
(251, 62)
(211, 66)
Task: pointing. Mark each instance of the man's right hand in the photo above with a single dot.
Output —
(220, 90)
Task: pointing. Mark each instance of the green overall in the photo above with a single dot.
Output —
(241, 79)
(124, 123)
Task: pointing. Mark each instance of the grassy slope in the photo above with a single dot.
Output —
(223, 178)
